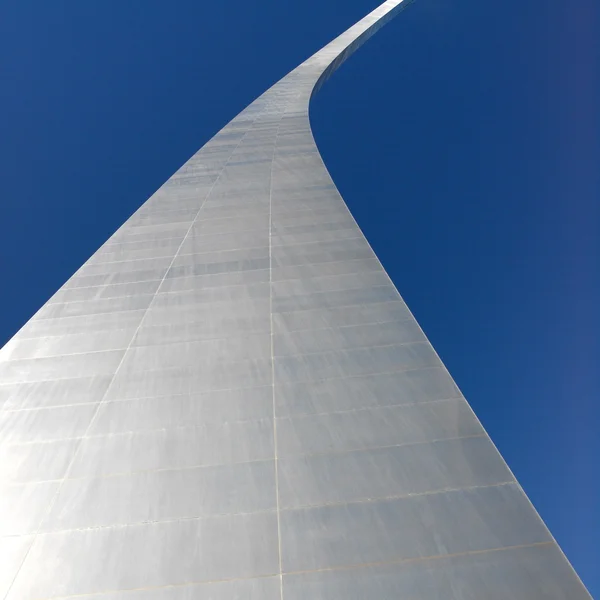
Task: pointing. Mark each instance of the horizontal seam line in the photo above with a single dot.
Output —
(401, 561)
(208, 362)
(288, 456)
(273, 509)
(345, 377)
(276, 574)
(246, 334)
(105, 285)
(292, 457)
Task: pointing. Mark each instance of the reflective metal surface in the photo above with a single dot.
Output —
(230, 400)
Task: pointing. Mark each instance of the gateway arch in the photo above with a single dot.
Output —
(230, 400)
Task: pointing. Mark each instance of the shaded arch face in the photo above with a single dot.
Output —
(230, 399)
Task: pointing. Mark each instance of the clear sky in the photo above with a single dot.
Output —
(465, 137)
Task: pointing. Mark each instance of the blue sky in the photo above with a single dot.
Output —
(465, 137)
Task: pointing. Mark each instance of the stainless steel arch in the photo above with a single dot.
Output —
(230, 400)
